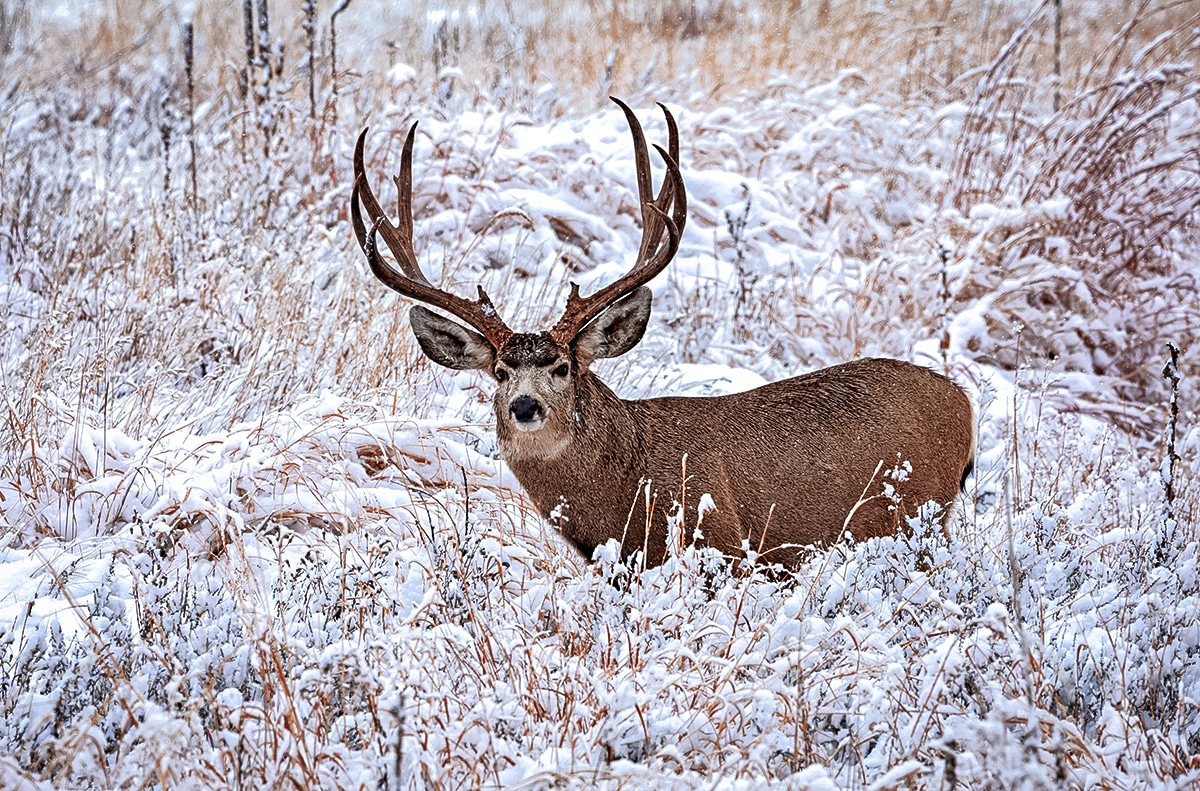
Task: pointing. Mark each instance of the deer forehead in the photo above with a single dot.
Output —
(531, 350)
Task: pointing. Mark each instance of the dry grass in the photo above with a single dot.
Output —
(268, 545)
(1108, 194)
(707, 51)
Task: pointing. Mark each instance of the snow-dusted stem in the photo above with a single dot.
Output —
(264, 49)
(246, 81)
(735, 222)
(944, 250)
(310, 36)
(1058, 15)
(1166, 539)
(333, 58)
(189, 67)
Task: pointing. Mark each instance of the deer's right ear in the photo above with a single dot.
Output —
(449, 343)
(616, 330)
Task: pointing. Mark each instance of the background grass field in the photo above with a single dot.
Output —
(250, 537)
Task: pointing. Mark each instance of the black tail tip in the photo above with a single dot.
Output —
(962, 484)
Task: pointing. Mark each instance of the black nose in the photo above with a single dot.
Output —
(525, 409)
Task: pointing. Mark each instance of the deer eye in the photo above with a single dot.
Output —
(501, 374)
(562, 370)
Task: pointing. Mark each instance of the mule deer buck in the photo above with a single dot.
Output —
(856, 447)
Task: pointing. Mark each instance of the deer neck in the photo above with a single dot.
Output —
(584, 465)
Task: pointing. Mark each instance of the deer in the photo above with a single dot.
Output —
(767, 475)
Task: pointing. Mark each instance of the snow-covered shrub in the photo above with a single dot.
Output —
(249, 536)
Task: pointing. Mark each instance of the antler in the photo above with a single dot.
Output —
(663, 219)
(410, 281)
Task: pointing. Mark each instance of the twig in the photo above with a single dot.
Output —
(333, 54)
(1166, 539)
(189, 67)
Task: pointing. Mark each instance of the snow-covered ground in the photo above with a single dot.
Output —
(251, 537)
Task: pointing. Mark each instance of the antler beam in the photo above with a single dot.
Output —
(410, 280)
(663, 219)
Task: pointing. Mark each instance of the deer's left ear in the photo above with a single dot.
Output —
(615, 331)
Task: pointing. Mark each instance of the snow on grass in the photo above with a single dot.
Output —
(249, 535)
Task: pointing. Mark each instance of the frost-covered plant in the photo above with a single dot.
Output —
(1075, 222)
(247, 539)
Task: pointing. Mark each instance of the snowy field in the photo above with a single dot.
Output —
(250, 537)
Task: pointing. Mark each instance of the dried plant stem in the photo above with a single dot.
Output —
(1167, 538)
(1057, 55)
(398, 752)
(164, 131)
(189, 67)
(310, 35)
(264, 48)
(944, 251)
(333, 73)
(246, 81)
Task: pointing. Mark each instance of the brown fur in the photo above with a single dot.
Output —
(795, 457)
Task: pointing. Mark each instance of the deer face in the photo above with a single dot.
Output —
(534, 384)
(536, 376)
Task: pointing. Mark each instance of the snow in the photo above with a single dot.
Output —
(246, 527)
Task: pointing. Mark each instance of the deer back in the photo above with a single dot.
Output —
(857, 447)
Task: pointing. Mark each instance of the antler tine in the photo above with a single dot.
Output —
(397, 237)
(641, 158)
(672, 133)
(651, 222)
(662, 216)
(410, 280)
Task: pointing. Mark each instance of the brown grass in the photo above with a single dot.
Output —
(921, 50)
(240, 294)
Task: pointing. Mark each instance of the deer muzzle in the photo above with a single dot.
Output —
(528, 414)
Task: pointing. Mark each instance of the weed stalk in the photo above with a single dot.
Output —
(1166, 539)
(189, 67)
